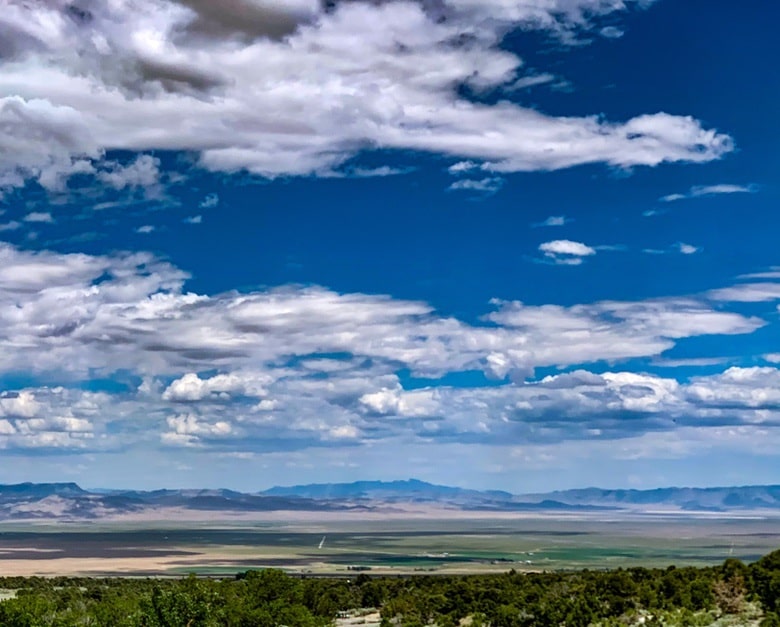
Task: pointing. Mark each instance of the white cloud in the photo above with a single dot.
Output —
(417, 403)
(39, 216)
(304, 413)
(680, 247)
(210, 201)
(383, 170)
(687, 249)
(566, 247)
(633, 330)
(553, 221)
(772, 273)
(50, 418)
(382, 401)
(187, 429)
(344, 432)
(41, 139)
(747, 293)
(145, 229)
(741, 388)
(695, 362)
(708, 190)
(462, 166)
(13, 225)
(611, 32)
(280, 89)
(144, 171)
(29, 272)
(251, 370)
(488, 185)
(191, 387)
(532, 80)
(566, 252)
(22, 405)
(711, 190)
(193, 219)
(80, 313)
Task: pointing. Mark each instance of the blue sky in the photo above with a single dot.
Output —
(518, 245)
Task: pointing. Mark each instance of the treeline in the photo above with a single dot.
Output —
(681, 596)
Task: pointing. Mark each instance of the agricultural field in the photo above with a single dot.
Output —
(455, 546)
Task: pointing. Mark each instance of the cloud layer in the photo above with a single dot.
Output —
(295, 88)
(301, 367)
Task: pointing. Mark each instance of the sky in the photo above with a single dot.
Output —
(515, 244)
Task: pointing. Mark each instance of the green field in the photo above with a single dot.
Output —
(394, 546)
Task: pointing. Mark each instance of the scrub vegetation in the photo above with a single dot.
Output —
(731, 593)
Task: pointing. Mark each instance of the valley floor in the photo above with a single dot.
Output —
(388, 547)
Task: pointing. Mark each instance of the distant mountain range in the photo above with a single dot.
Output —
(685, 499)
(68, 501)
(389, 490)
(688, 499)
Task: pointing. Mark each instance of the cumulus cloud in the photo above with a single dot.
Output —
(745, 389)
(191, 387)
(583, 405)
(566, 252)
(574, 406)
(143, 172)
(188, 429)
(363, 405)
(417, 403)
(22, 405)
(283, 89)
(711, 190)
(42, 140)
(52, 418)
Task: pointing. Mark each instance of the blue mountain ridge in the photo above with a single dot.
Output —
(53, 500)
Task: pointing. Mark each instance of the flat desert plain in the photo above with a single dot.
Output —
(392, 546)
